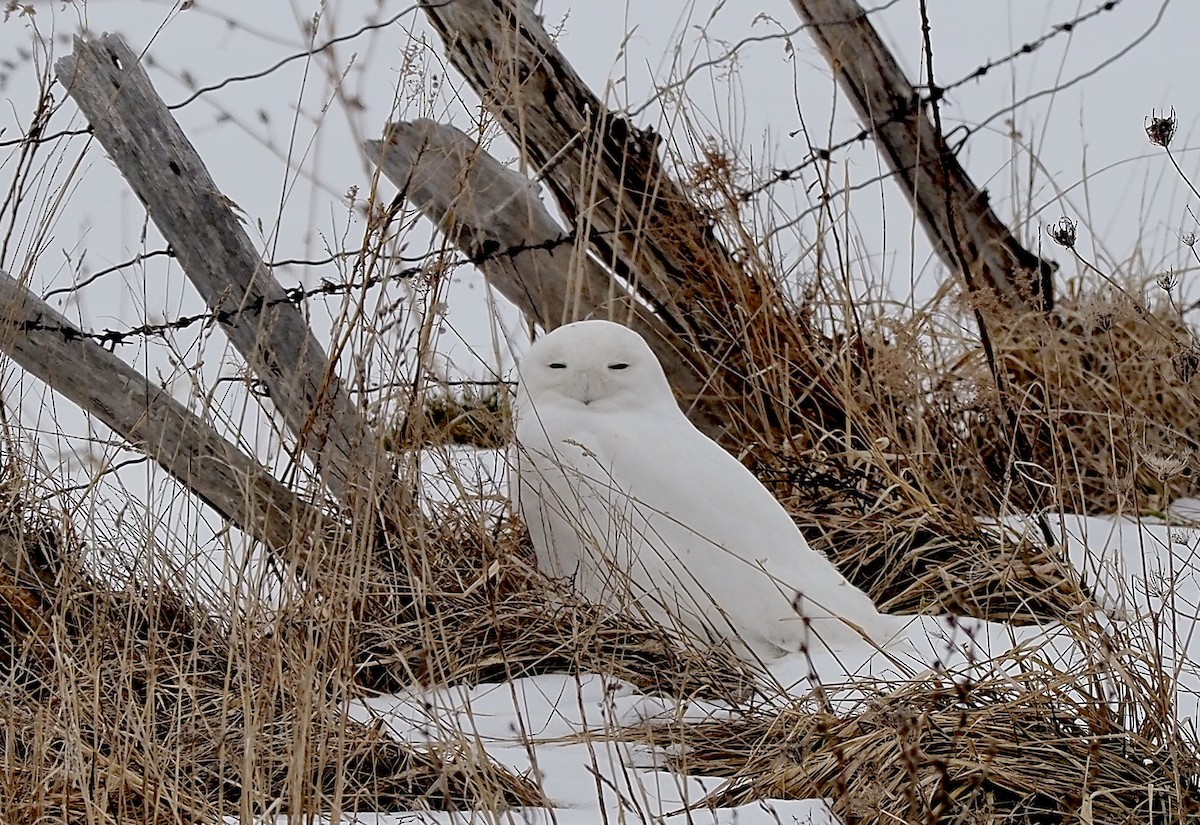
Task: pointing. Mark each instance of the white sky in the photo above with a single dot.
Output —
(1084, 144)
(1087, 142)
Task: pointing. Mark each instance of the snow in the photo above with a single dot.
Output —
(559, 730)
(1145, 576)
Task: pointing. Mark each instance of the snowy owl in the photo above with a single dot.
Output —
(630, 503)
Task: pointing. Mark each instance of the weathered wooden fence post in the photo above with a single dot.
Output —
(55, 351)
(495, 217)
(130, 120)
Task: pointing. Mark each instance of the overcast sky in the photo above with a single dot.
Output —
(1084, 144)
(1073, 146)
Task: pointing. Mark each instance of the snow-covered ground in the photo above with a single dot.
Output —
(1145, 575)
(557, 729)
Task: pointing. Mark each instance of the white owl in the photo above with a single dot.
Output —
(632, 504)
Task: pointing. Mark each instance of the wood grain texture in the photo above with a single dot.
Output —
(610, 184)
(494, 216)
(55, 351)
(205, 234)
(967, 235)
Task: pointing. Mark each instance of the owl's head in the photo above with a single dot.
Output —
(597, 365)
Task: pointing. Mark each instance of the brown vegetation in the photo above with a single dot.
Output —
(128, 694)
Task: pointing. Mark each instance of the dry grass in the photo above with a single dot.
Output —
(136, 705)
(132, 704)
(1109, 400)
(1021, 750)
(1108, 409)
(886, 438)
(452, 604)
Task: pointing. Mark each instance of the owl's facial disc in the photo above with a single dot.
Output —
(591, 363)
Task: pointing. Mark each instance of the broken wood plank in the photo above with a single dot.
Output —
(494, 216)
(57, 352)
(205, 234)
(967, 235)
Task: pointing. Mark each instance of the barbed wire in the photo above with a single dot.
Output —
(932, 94)
(1058, 87)
(95, 276)
(279, 64)
(780, 176)
(33, 135)
(170, 253)
(112, 338)
(295, 296)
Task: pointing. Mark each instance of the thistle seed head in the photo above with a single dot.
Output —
(1164, 465)
(1161, 129)
(1168, 279)
(1063, 233)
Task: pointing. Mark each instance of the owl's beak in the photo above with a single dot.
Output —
(586, 395)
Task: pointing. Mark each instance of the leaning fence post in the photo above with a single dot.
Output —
(137, 130)
(55, 351)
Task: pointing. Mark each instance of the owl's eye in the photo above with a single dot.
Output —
(558, 365)
(620, 366)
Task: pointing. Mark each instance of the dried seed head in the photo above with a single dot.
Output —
(1105, 321)
(1161, 130)
(1063, 232)
(1168, 279)
(1188, 238)
(1164, 465)
(1186, 362)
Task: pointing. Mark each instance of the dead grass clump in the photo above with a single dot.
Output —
(485, 614)
(135, 705)
(1107, 399)
(914, 557)
(1108, 419)
(467, 416)
(1015, 750)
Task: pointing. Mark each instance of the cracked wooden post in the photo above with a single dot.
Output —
(493, 215)
(55, 351)
(152, 153)
(967, 235)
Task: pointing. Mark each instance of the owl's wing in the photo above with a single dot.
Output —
(695, 531)
(718, 526)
